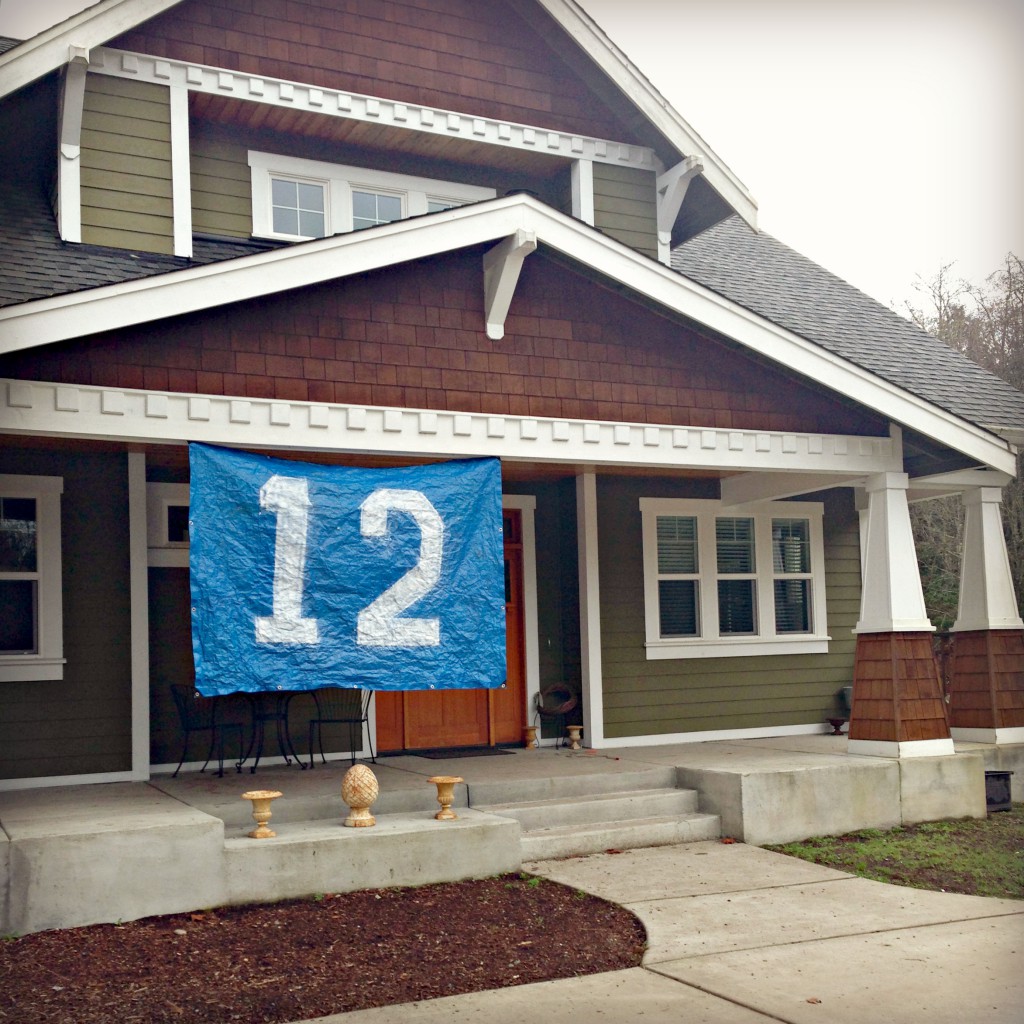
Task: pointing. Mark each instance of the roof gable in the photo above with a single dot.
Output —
(411, 54)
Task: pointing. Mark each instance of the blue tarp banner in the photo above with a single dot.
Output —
(306, 576)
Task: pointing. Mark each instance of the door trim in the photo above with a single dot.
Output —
(526, 504)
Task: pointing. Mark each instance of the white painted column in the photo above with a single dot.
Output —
(583, 191)
(590, 610)
(181, 172)
(138, 575)
(987, 599)
(892, 600)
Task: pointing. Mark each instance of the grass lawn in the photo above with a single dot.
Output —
(978, 856)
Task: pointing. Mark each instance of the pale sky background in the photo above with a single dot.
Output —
(881, 138)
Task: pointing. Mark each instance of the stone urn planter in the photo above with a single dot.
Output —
(261, 799)
(445, 795)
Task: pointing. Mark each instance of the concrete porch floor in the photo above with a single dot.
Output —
(79, 855)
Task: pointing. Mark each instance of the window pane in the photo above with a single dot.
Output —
(791, 545)
(311, 197)
(177, 524)
(17, 535)
(286, 222)
(792, 606)
(437, 205)
(677, 544)
(735, 542)
(311, 224)
(389, 208)
(364, 206)
(18, 616)
(736, 608)
(284, 193)
(677, 608)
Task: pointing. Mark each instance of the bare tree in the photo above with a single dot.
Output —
(985, 323)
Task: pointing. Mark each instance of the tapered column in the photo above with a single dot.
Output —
(987, 666)
(898, 705)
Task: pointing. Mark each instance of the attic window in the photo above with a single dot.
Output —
(295, 199)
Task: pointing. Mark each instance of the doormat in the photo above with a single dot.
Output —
(440, 753)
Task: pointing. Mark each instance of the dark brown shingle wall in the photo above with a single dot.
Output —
(414, 336)
(473, 56)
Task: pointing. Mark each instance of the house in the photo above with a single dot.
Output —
(390, 234)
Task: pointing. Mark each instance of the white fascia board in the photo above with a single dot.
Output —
(635, 86)
(48, 50)
(751, 488)
(39, 408)
(44, 321)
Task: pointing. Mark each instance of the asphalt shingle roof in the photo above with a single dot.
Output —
(758, 272)
(751, 269)
(36, 264)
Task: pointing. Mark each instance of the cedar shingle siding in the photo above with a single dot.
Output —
(473, 57)
(413, 336)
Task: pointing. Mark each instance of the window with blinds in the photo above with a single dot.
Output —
(739, 582)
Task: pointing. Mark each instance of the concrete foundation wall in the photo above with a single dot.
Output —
(401, 850)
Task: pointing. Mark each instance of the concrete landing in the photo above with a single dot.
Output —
(78, 855)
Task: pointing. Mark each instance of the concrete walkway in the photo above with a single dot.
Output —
(738, 935)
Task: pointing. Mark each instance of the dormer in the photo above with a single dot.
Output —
(205, 121)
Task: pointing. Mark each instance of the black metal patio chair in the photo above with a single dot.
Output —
(336, 705)
(202, 714)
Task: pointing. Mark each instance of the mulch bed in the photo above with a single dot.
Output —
(288, 961)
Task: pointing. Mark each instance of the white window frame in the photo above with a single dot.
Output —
(339, 182)
(47, 662)
(710, 644)
(162, 551)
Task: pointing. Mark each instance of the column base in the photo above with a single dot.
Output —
(986, 682)
(898, 708)
(993, 736)
(912, 748)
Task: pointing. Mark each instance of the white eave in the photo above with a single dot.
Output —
(111, 307)
(91, 27)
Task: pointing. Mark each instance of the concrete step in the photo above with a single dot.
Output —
(596, 808)
(577, 840)
(574, 777)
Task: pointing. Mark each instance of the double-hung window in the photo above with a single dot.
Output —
(31, 621)
(721, 583)
(296, 199)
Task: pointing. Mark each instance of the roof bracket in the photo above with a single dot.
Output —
(69, 210)
(671, 187)
(502, 265)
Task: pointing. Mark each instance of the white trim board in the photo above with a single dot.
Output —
(110, 307)
(667, 739)
(61, 410)
(436, 121)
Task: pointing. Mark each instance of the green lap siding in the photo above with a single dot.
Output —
(624, 206)
(126, 165)
(221, 188)
(81, 724)
(682, 695)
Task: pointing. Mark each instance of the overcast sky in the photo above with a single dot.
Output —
(881, 138)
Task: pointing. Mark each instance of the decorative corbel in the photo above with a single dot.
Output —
(69, 197)
(671, 191)
(502, 265)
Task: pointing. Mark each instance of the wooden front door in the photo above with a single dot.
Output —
(418, 719)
